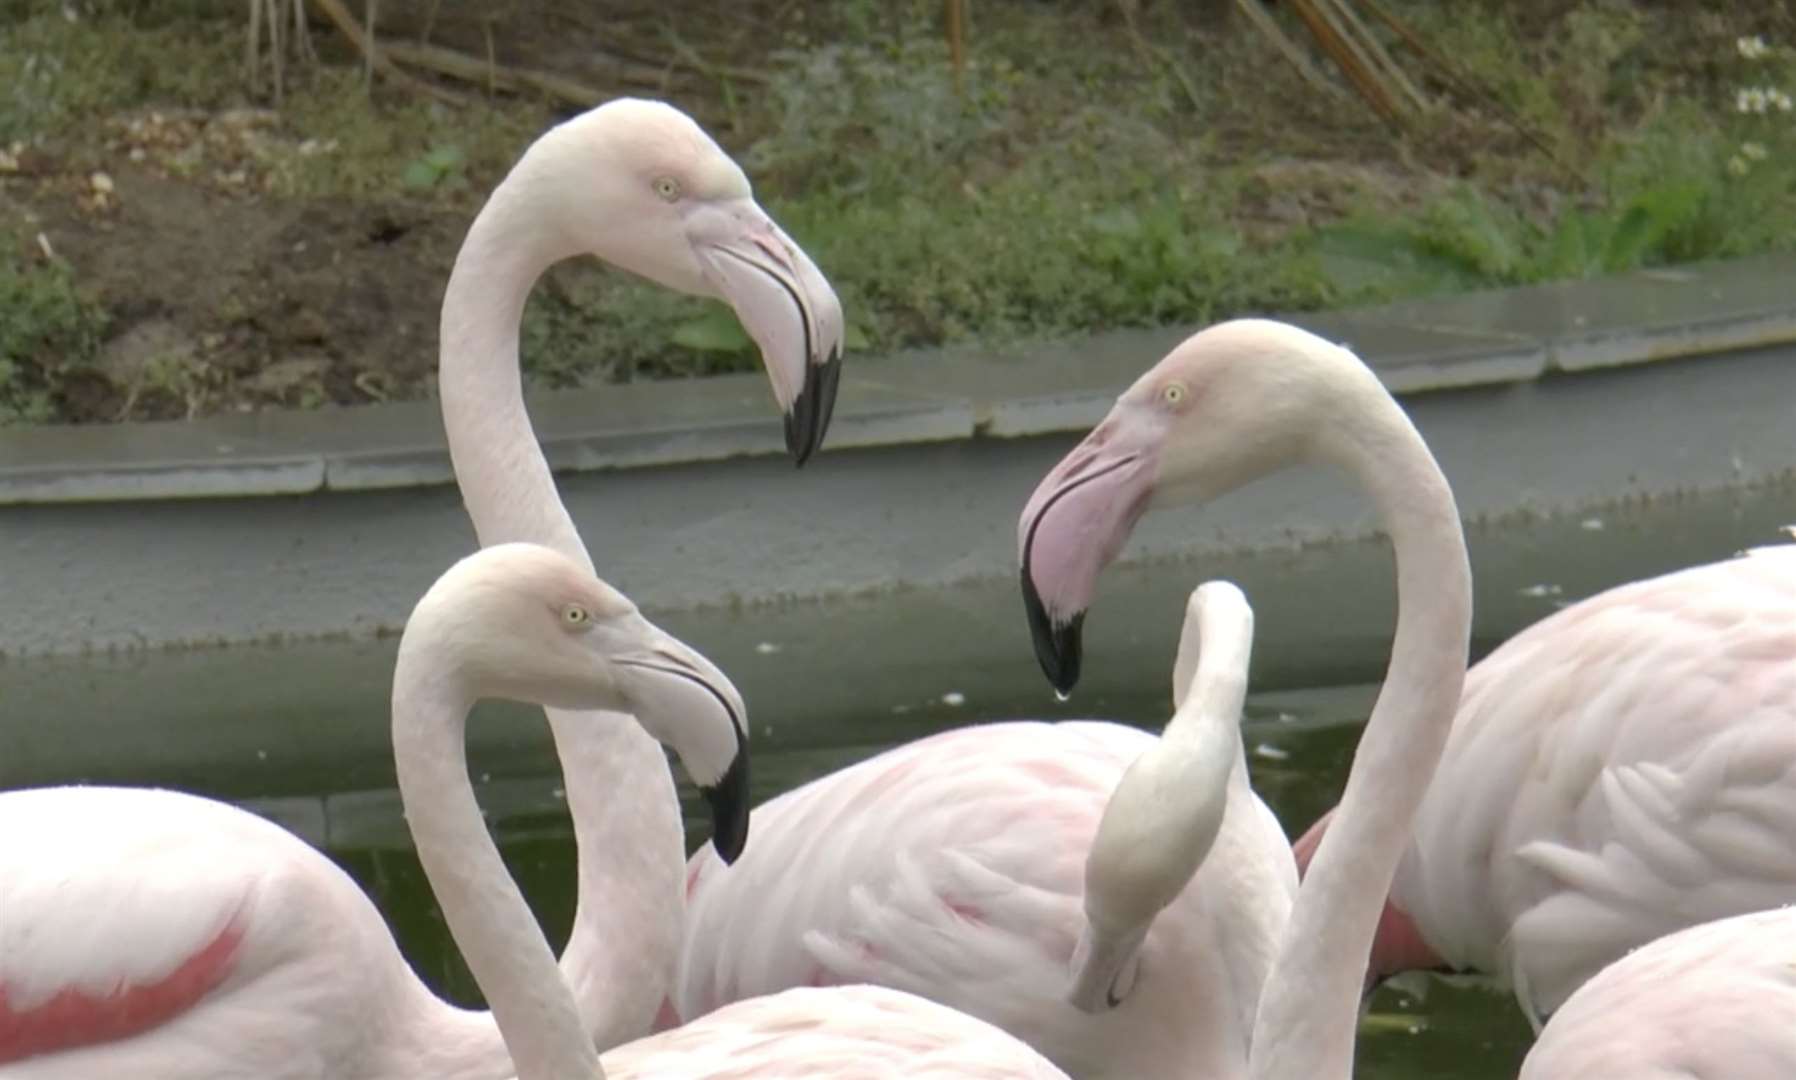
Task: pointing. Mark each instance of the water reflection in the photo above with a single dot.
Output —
(300, 733)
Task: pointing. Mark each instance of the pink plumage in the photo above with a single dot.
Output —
(1622, 769)
(870, 1033)
(153, 934)
(1716, 1000)
(953, 868)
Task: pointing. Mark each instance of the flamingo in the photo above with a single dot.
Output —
(1713, 1000)
(1006, 871)
(637, 183)
(520, 621)
(1231, 404)
(1243, 399)
(244, 951)
(1619, 770)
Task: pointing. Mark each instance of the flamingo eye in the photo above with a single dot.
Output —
(575, 616)
(667, 187)
(1174, 394)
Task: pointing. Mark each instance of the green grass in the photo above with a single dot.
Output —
(46, 326)
(57, 73)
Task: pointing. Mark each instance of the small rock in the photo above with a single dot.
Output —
(284, 375)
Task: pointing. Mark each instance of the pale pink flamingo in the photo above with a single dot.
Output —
(1716, 1001)
(1621, 769)
(1233, 403)
(639, 184)
(243, 951)
(520, 621)
(1006, 870)
(959, 867)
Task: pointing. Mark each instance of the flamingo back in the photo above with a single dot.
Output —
(1621, 769)
(953, 868)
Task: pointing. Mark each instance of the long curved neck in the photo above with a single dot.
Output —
(499, 466)
(620, 792)
(1309, 1011)
(487, 915)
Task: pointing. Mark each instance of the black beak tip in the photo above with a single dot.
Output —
(808, 422)
(1057, 644)
(728, 799)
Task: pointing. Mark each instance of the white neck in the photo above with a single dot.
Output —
(491, 923)
(619, 788)
(1309, 1010)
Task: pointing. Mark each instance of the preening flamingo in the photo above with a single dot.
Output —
(154, 934)
(1621, 769)
(1231, 404)
(956, 868)
(970, 867)
(522, 622)
(639, 184)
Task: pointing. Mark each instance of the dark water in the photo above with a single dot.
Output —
(300, 733)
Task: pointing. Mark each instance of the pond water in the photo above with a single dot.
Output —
(299, 733)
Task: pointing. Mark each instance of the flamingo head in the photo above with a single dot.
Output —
(1231, 404)
(524, 623)
(641, 185)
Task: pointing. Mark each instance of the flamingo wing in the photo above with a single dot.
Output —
(1619, 770)
(816, 1034)
(950, 867)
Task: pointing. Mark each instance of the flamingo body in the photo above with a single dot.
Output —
(1620, 770)
(953, 868)
(1716, 1002)
(244, 950)
(849, 1031)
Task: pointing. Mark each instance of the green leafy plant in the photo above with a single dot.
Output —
(46, 326)
(441, 165)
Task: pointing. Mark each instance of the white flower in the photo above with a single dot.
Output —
(1737, 165)
(1752, 151)
(1751, 48)
(1779, 99)
(1750, 99)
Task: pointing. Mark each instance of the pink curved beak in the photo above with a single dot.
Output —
(785, 304)
(1074, 525)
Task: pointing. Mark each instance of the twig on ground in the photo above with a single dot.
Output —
(1468, 85)
(957, 43)
(1263, 22)
(495, 76)
(381, 61)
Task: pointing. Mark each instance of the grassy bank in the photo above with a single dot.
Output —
(1086, 174)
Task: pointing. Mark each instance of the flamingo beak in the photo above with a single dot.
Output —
(1074, 524)
(1104, 969)
(785, 304)
(687, 703)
